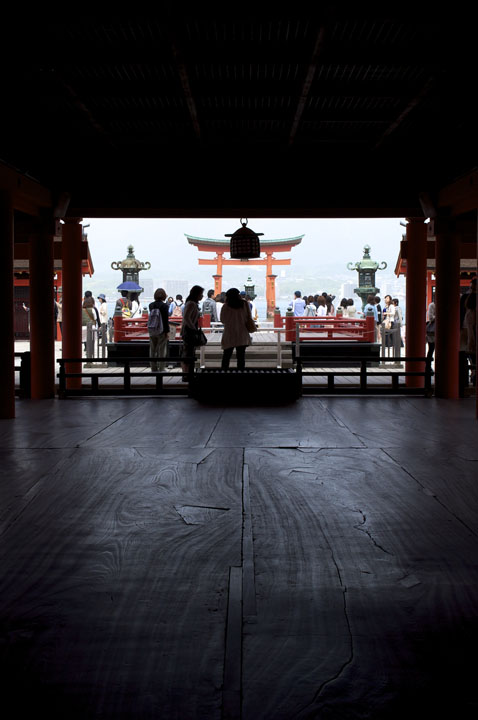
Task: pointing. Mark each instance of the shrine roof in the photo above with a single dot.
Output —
(217, 242)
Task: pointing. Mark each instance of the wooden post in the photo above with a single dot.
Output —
(447, 304)
(7, 346)
(42, 313)
(205, 320)
(416, 292)
(289, 326)
(72, 296)
(370, 328)
(278, 320)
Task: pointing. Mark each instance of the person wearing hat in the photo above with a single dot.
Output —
(103, 311)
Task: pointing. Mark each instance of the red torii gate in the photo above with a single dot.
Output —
(269, 247)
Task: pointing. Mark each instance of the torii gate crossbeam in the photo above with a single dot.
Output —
(220, 247)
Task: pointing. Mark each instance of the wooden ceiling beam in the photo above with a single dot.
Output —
(306, 87)
(461, 196)
(185, 84)
(29, 196)
(400, 119)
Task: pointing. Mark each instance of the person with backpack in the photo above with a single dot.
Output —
(176, 308)
(158, 329)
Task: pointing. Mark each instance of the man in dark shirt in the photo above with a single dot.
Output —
(158, 344)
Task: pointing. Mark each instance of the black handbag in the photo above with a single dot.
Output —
(195, 337)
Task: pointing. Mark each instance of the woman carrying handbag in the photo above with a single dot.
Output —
(191, 334)
(238, 323)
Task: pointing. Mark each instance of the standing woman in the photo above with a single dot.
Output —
(430, 331)
(136, 307)
(310, 309)
(103, 311)
(189, 325)
(237, 320)
(388, 316)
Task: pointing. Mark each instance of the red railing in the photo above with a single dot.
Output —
(331, 328)
(328, 328)
(131, 329)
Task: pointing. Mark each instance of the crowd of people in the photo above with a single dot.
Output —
(238, 315)
(233, 309)
(388, 317)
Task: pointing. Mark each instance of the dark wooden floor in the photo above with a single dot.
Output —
(163, 559)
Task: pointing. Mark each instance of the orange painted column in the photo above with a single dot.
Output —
(271, 295)
(270, 286)
(42, 313)
(72, 296)
(218, 276)
(7, 346)
(416, 294)
(447, 305)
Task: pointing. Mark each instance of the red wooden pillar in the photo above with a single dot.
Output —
(447, 305)
(416, 293)
(7, 346)
(430, 283)
(72, 296)
(59, 283)
(42, 313)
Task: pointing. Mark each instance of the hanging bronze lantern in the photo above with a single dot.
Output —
(245, 243)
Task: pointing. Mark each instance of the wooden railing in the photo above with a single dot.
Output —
(362, 372)
(126, 388)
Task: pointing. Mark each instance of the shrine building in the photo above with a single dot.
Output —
(163, 557)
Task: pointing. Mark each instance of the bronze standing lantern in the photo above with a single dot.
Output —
(131, 267)
(249, 288)
(366, 269)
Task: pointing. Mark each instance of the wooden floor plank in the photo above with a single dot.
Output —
(123, 603)
(353, 572)
(305, 424)
(349, 524)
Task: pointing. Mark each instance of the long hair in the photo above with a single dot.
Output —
(234, 299)
(195, 293)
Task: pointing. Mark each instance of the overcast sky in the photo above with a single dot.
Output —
(327, 243)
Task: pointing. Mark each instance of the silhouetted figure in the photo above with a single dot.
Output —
(235, 316)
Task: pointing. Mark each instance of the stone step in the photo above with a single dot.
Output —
(250, 363)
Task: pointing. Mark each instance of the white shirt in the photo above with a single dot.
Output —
(103, 310)
(136, 309)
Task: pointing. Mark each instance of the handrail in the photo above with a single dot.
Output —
(63, 375)
(427, 373)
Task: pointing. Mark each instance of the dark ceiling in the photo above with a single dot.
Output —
(336, 115)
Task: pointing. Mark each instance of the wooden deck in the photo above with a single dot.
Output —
(163, 559)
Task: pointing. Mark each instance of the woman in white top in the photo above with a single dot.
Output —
(322, 307)
(310, 309)
(351, 309)
(136, 307)
(103, 310)
(219, 303)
